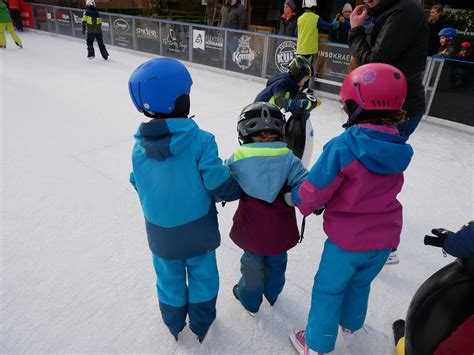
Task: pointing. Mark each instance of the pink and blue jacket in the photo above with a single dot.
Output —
(358, 177)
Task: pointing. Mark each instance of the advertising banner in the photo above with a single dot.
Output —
(27, 15)
(208, 46)
(64, 21)
(77, 23)
(333, 62)
(175, 40)
(122, 31)
(280, 53)
(51, 20)
(106, 28)
(245, 53)
(147, 34)
(41, 19)
(453, 95)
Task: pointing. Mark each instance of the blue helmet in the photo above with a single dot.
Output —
(449, 33)
(156, 85)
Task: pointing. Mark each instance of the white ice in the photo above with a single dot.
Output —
(76, 271)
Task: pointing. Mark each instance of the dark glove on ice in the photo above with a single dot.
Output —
(438, 241)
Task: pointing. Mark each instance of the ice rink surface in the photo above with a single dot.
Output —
(76, 272)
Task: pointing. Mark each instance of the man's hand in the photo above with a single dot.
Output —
(358, 16)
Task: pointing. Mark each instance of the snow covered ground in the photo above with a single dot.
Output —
(76, 272)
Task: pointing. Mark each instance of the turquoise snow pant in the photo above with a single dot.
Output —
(195, 298)
(341, 293)
(261, 275)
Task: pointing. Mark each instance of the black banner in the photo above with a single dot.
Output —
(122, 31)
(106, 28)
(148, 36)
(280, 53)
(41, 19)
(453, 97)
(64, 21)
(175, 40)
(245, 53)
(208, 46)
(77, 23)
(333, 62)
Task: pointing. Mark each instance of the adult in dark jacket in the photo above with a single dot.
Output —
(340, 33)
(436, 22)
(288, 19)
(399, 36)
(233, 15)
(92, 21)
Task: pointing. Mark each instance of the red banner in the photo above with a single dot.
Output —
(27, 15)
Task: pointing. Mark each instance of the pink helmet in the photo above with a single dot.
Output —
(374, 86)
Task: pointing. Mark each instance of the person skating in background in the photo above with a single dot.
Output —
(285, 91)
(399, 37)
(287, 24)
(358, 176)
(6, 25)
(92, 22)
(264, 225)
(342, 25)
(178, 176)
(15, 11)
(309, 25)
(447, 38)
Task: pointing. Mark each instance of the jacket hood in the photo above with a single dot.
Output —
(163, 138)
(380, 149)
(261, 176)
(3, 8)
(283, 76)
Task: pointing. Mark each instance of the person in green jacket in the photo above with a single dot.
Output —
(6, 24)
(309, 24)
(92, 21)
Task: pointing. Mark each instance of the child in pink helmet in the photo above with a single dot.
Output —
(358, 177)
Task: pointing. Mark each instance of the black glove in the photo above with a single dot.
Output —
(438, 241)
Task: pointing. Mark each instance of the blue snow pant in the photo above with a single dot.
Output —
(261, 275)
(407, 127)
(196, 298)
(341, 293)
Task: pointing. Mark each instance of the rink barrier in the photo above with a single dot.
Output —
(448, 84)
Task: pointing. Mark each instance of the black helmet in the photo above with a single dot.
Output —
(258, 117)
(300, 67)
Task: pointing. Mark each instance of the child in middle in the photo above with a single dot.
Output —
(264, 226)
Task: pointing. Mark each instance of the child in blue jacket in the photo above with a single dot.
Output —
(264, 225)
(179, 177)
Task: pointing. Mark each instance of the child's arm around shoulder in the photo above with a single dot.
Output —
(324, 178)
(216, 177)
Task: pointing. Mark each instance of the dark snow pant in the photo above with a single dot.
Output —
(261, 276)
(16, 18)
(100, 42)
(187, 288)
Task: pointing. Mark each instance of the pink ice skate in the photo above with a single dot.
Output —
(298, 339)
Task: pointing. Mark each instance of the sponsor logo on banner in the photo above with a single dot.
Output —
(121, 25)
(77, 19)
(146, 33)
(335, 56)
(198, 39)
(62, 17)
(244, 55)
(174, 45)
(48, 16)
(215, 42)
(284, 54)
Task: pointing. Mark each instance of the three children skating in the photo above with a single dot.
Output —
(184, 158)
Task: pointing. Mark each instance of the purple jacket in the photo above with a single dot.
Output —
(263, 223)
(358, 176)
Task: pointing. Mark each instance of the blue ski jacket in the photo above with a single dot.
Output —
(461, 243)
(179, 176)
